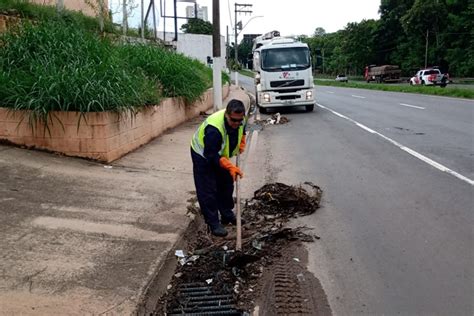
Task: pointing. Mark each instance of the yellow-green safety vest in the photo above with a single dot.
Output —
(218, 121)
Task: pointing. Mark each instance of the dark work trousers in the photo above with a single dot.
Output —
(214, 189)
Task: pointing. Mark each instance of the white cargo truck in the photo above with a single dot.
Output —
(284, 75)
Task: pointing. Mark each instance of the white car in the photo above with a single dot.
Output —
(432, 77)
(341, 78)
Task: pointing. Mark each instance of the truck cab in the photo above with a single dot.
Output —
(283, 73)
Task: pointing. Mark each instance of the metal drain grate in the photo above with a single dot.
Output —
(198, 299)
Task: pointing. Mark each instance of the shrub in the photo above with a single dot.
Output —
(56, 66)
(178, 76)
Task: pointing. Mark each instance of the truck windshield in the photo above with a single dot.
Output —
(292, 58)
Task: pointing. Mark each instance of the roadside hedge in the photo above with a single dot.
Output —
(57, 65)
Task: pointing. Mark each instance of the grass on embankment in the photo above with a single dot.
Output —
(57, 65)
(436, 90)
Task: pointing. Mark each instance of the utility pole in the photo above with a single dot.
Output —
(239, 8)
(175, 21)
(142, 19)
(216, 54)
(227, 47)
(322, 59)
(426, 49)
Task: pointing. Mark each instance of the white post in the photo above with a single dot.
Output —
(124, 17)
(60, 5)
(236, 78)
(217, 82)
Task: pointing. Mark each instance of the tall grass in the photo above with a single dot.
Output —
(55, 66)
(179, 76)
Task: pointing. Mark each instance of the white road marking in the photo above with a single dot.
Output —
(412, 106)
(404, 148)
(330, 92)
(357, 96)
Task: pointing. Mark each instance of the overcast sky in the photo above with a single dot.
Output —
(290, 17)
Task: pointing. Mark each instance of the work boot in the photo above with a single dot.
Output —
(232, 220)
(218, 230)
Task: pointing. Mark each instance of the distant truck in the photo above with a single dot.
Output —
(284, 76)
(385, 73)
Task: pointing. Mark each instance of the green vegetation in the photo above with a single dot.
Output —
(400, 37)
(56, 65)
(197, 26)
(451, 92)
(176, 75)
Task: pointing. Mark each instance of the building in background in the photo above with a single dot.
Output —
(77, 5)
(201, 12)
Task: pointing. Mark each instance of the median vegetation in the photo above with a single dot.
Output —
(58, 64)
(435, 90)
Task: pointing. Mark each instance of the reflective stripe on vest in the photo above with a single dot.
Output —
(218, 121)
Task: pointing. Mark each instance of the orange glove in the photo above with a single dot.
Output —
(233, 170)
(242, 144)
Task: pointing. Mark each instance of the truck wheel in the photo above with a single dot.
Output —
(310, 108)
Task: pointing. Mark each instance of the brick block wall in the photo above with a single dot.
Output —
(75, 5)
(103, 136)
(7, 21)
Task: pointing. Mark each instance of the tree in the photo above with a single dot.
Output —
(319, 31)
(358, 45)
(390, 32)
(197, 26)
(423, 23)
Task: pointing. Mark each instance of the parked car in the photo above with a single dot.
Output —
(341, 78)
(431, 77)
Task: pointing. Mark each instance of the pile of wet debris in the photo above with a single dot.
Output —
(276, 118)
(212, 278)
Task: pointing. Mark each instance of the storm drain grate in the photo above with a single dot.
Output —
(198, 299)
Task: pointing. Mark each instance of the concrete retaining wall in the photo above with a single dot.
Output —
(104, 136)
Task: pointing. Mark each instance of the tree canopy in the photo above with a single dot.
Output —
(197, 26)
(401, 35)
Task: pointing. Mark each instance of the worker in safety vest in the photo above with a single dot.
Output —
(219, 137)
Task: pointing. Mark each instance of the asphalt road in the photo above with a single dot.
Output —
(396, 222)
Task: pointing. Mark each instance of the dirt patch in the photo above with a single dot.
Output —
(267, 246)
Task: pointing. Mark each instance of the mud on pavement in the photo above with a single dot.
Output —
(269, 275)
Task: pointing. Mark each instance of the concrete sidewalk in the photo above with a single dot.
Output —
(79, 237)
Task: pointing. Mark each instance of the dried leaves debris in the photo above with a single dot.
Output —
(211, 260)
(275, 119)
